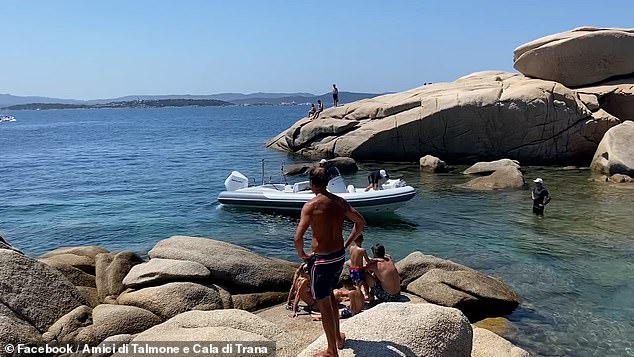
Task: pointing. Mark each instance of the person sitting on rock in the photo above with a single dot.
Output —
(350, 293)
(312, 111)
(300, 290)
(382, 277)
(320, 108)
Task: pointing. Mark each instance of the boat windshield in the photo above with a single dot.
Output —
(332, 172)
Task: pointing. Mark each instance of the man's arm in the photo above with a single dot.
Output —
(302, 227)
(359, 224)
(547, 198)
(367, 258)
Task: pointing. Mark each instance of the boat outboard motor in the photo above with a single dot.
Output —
(236, 181)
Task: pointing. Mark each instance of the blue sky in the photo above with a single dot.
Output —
(105, 49)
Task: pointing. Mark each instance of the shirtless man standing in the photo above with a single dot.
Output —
(384, 281)
(325, 215)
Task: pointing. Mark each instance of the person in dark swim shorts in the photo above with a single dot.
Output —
(324, 273)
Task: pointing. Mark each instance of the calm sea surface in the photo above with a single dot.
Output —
(126, 178)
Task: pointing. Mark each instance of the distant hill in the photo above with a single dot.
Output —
(344, 97)
(126, 104)
(8, 100)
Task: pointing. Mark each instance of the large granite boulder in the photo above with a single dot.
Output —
(83, 263)
(475, 294)
(111, 320)
(504, 178)
(66, 328)
(416, 264)
(35, 292)
(111, 269)
(86, 251)
(221, 325)
(14, 330)
(487, 168)
(579, 57)
(615, 154)
(238, 269)
(483, 116)
(397, 329)
(164, 270)
(171, 299)
(488, 344)
(430, 163)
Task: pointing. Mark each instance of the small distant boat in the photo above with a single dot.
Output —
(7, 118)
(292, 197)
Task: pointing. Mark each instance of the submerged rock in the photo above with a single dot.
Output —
(579, 57)
(485, 115)
(429, 163)
(487, 168)
(503, 178)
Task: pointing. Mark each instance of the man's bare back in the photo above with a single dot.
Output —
(357, 254)
(385, 272)
(327, 212)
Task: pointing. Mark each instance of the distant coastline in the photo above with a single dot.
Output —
(161, 103)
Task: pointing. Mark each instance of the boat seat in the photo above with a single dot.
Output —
(301, 186)
(351, 189)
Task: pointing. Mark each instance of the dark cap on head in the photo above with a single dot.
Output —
(378, 250)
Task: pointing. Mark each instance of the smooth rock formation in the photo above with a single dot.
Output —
(221, 325)
(429, 163)
(397, 329)
(238, 269)
(171, 299)
(475, 294)
(488, 344)
(615, 154)
(579, 57)
(90, 294)
(76, 276)
(110, 320)
(66, 328)
(164, 270)
(256, 301)
(111, 269)
(416, 264)
(83, 263)
(483, 116)
(34, 291)
(504, 178)
(487, 168)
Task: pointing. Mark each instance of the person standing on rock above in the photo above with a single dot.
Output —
(325, 215)
(374, 177)
(335, 95)
(540, 196)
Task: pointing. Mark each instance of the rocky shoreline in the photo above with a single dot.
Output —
(195, 288)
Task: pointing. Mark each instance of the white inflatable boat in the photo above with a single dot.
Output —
(292, 197)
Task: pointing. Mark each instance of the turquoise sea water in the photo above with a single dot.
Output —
(127, 178)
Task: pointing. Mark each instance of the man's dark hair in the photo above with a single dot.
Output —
(318, 177)
(359, 238)
(378, 250)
